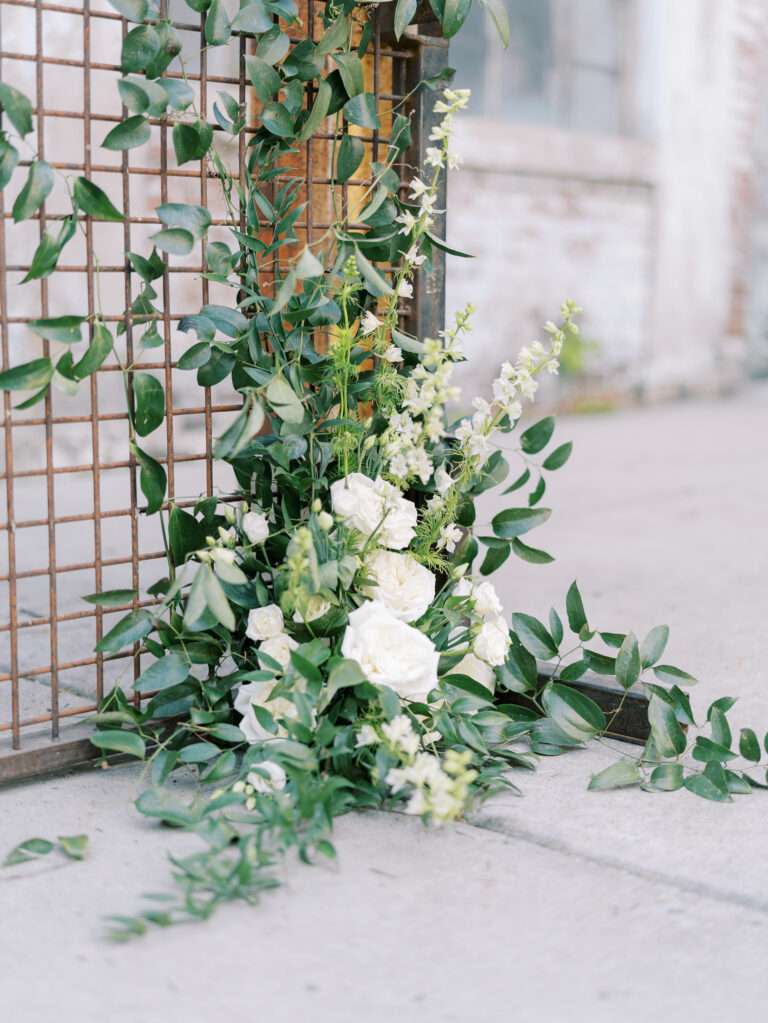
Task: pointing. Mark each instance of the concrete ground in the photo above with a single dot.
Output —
(557, 907)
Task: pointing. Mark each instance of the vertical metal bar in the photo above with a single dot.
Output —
(93, 379)
(9, 492)
(431, 58)
(49, 476)
(167, 372)
(208, 415)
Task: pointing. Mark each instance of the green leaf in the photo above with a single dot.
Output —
(132, 132)
(30, 849)
(149, 399)
(573, 713)
(9, 157)
(705, 750)
(404, 12)
(351, 70)
(374, 282)
(167, 671)
(130, 629)
(241, 432)
(495, 558)
(308, 265)
(140, 46)
(454, 15)
(120, 742)
(574, 608)
(667, 777)
(516, 521)
(111, 598)
(59, 328)
(557, 458)
(574, 671)
(600, 663)
(166, 808)
(98, 350)
(667, 733)
(185, 535)
(628, 662)
(266, 81)
(361, 110)
(721, 730)
(439, 243)
(252, 17)
(536, 437)
(198, 753)
(277, 120)
(17, 108)
(152, 479)
(28, 376)
(196, 606)
(653, 645)
(216, 600)
(703, 786)
(133, 10)
(318, 113)
(534, 636)
(142, 96)
(227, 733)
(218, 28)
(531, 554)
(619, 775)
(74, 846)
(350, 156)
(521, 480)
(749, 747)
(194, 219)
(469, 685)
(93, 201)
(36, 190)
(178, 93)
(273, 45)
(668, 674)
(284, 400)
(498, 12)
(191, 141)
(335, 37)
(174, 240)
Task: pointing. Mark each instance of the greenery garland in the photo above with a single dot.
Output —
(330, 641)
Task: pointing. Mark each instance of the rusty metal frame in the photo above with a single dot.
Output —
(396, 67)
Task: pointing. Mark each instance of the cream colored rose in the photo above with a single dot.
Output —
(255, 526)
(487, 603)
(473, 667)
(278, 648)
(255, 694)
(267, 776)
(492, 642)
(390, 652)
(264, 623)
(375, 506)
(401, 583)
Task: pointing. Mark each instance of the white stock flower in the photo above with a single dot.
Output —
(390, 652)
(393, 354)
(401, 583)
(267, 776)
(278, 648)
(400, 735)
(255, 526)
(443, 480)
(368, 505)
(405, 289)
(367, 736)
(407, 219)
(369, 323)
(450, 536)
(255, 694)
(264, 623)
(480, 671)
(492, 642)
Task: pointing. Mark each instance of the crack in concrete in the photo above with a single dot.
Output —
(702, 889)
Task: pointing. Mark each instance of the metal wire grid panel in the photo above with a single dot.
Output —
(72, 519)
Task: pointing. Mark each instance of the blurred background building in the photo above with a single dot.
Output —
(615, 153)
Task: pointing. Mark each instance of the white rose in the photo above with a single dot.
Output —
(264, 623)
(487, 603)
(369, 505)
(255, 526)
(403, 585)
(390, 652)
(473, 667)
(267, 776)
(278, 648)
(255, 694)
(316, 607)
(492, 642)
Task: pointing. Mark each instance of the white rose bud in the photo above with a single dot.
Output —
(255, 526)
(325, 521)
(492, 642)
(264, 623)
(267, 777)
(278, 648)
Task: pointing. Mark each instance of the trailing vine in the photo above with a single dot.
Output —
(329, 640)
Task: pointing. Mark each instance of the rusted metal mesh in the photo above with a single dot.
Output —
(70, 509)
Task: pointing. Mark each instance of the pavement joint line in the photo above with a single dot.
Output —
(660, 877)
